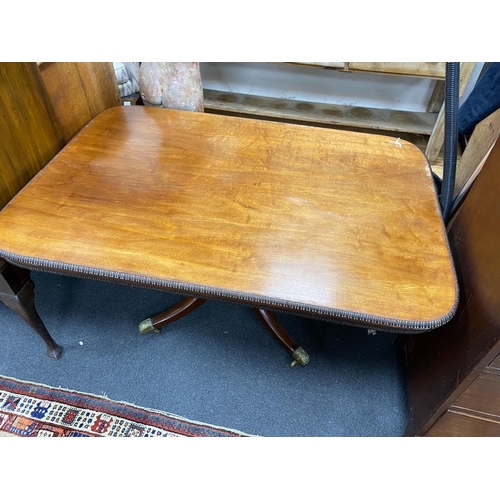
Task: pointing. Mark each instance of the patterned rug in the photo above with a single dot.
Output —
(36, 410)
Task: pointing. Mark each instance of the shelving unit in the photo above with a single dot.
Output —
(323, 114)
(340, 115)
(435, 70)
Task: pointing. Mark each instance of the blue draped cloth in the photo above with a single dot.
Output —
(482, 101)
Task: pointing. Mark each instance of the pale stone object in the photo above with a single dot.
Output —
(173, 85)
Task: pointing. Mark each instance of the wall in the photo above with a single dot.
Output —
(321, 85)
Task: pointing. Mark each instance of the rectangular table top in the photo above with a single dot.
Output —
(338, 224)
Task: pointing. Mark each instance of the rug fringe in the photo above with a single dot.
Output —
(106, 398)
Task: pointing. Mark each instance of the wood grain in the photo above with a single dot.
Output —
(437, 98)
(79, 91)
(29, 133)
(435, 70)
(324, 220)
(481, 141)
(328, 114)
(422, 69)
(459, 425)
(483, 396)
(436, 140)
(327, 65)
(496, 363)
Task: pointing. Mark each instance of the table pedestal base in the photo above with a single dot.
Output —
(189, 304)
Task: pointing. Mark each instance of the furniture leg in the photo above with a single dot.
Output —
(183, 308)
(269, 320)
(401, 341)
(17, 291)
(189, 304)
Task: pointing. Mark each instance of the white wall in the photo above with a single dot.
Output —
(320, 85)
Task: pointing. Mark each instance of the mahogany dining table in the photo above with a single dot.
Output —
(339, 225)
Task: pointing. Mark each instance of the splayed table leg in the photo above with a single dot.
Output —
(189, 304)
(269, 320)
(183, 308)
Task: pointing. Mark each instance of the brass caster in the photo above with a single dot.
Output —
(300, 356)
(146, 326)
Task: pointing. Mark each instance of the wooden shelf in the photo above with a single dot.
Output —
(433, 70)
(328, 114)
(326, 65)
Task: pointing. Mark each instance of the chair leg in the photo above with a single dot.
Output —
(269, 320)
(17, 291)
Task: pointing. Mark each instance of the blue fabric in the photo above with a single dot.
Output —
(482, 101)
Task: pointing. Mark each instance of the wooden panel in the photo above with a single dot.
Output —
(436, 140)
(496, 363)
(328, 65)
(79, 91)
(423, 69)
(306, 216)
(345, 116)
(481, 141)
(483, 395)
(442, 363)
(437, 97)
(458, 425)
(28, 130)
(438, 164)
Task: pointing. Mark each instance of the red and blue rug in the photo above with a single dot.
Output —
(36, 410)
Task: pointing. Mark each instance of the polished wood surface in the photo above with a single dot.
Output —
(442, 365)
(29, 134)
(322, 222)
(79, 91)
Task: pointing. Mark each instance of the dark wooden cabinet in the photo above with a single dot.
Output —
(475, 412)
(454, 371)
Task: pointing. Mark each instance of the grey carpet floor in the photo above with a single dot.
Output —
(218, 365)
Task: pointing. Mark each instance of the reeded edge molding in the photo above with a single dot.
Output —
(337, 315)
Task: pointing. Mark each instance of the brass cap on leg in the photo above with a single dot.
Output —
(147, 326)
(300, 356)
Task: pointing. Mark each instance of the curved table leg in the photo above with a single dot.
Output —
(189, 304)
(17, 291)
(269, 320)
(183, 308)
